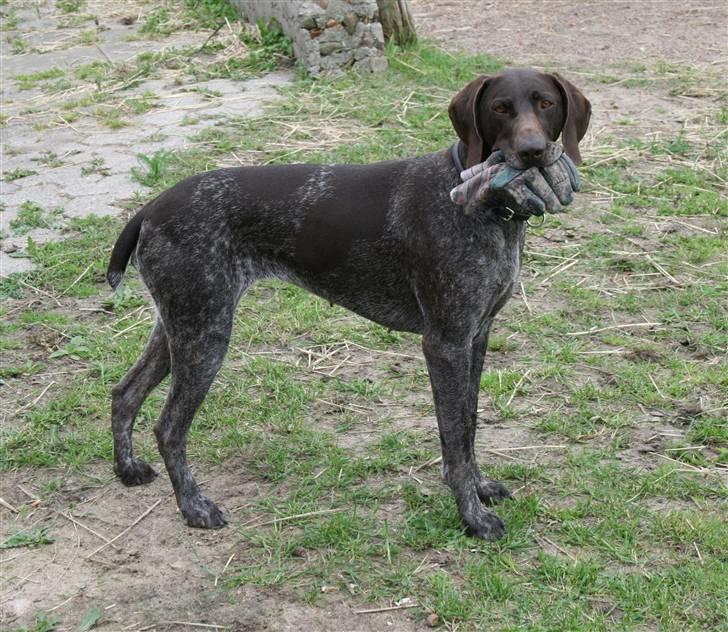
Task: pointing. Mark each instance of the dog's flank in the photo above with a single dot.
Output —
(383, 240)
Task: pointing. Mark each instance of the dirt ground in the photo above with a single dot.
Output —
(163, 576)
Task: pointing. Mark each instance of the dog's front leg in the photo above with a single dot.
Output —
(489, 491)
(450, 364)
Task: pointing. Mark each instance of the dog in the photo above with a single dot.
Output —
(383, 240)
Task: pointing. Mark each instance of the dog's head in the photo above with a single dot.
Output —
(519, 112)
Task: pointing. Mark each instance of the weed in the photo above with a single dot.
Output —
(44, 622)
(70, 6)
(31, 216)
(50, 159)
(15, 174)
(87, 37)
(159, 22)
(97, 165)
(30, 81)
(28, 537)
(155, 169)
(268, 46)
(18, 45)
(76, 348)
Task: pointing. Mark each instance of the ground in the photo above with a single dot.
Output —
(603, 401)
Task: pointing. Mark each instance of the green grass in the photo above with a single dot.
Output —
(70, 6)
(31, 216)
(30, 81)
(16, 174)
(618, 524)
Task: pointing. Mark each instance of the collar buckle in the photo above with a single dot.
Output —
(510, 213)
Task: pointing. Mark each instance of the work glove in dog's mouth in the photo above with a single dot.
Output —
(532, 191)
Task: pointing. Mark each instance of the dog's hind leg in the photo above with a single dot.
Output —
(198, 342)
(128, 396)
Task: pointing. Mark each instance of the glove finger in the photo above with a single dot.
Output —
(464, 192)
(558, 178)
(496, 157)
(504, 176)
(552, 154)
(572, 171)
(535, 181)
(520, 198)
(481, 172)
(473, 171)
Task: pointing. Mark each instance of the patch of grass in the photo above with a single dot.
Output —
(87, 37)
(16, 174)
(159, 21)
(49, 159)
(30, 81)
(29, 538)
(10, 20)
(18, 45)
(97, 166)
(31, 216)
(210, 13)
(111, 118)
(44, 622)
(70, 6)
(155, 171)
(59, 264)
(195, 14)
(268, 47)
(141, 104)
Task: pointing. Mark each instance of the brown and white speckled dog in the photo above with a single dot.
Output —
(383, 240)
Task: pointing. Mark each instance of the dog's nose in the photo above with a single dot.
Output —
(531, 151)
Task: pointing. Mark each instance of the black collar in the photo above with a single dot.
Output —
(505, 213)
(456, 157)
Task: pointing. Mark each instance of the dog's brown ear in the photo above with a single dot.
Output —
(463, 113)
(577, 112)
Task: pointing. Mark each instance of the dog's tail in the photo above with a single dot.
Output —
(123, 248)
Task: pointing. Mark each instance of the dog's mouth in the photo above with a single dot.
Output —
(548, 157)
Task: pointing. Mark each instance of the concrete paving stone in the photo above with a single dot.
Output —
(46, 194)
(113, 187)
(12, 265)
(8, 187)
(160, 118)
(93, 204)
(118, 161)
(61, 176)
(19, 161)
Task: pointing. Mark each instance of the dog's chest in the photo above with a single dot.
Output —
(499, 268)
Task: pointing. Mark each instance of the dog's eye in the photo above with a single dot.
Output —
(500, 109)
(546, 104)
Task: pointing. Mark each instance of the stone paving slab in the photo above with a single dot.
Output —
(61, 154)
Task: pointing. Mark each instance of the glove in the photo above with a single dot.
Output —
(531, 191)
(561, 174)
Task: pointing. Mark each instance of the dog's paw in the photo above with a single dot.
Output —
(135, 472)
(492, 492)
(202, 513)
(481, 523)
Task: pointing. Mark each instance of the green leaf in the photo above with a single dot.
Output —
(90, 619)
